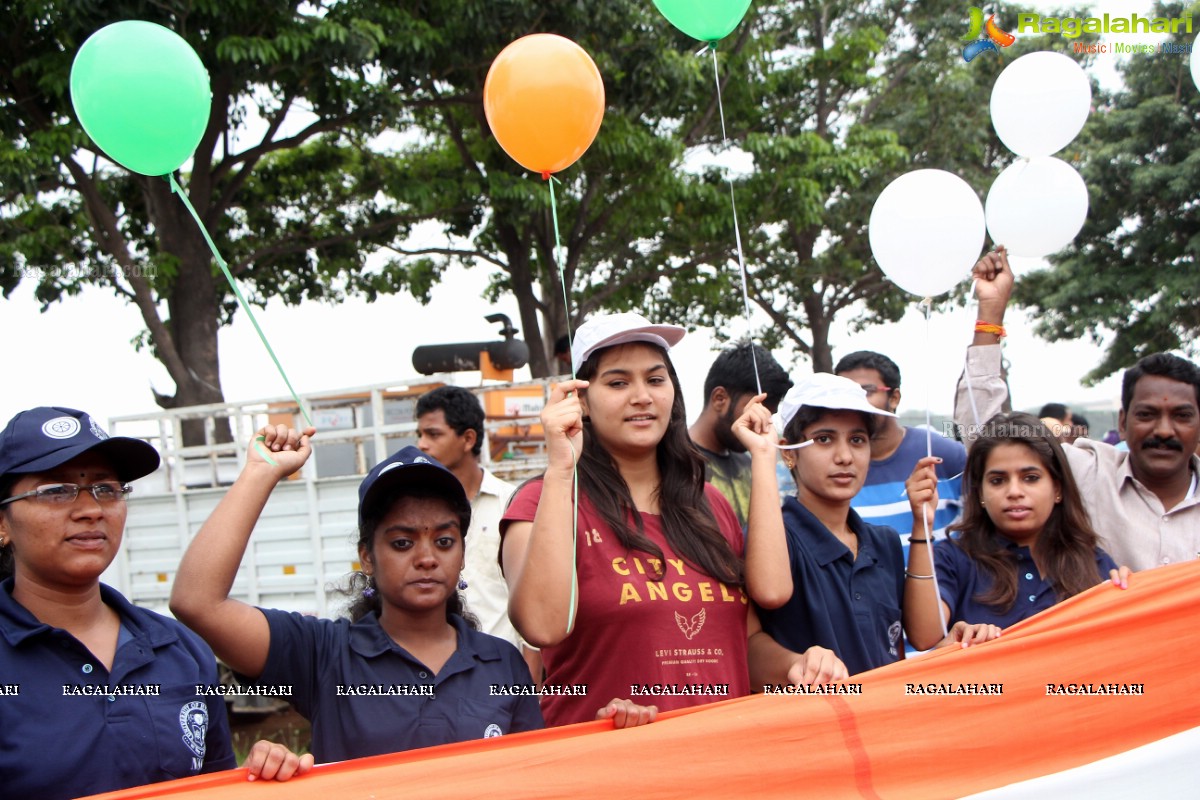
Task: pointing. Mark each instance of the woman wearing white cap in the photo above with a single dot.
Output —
(659, 608)
(98, 694)
(837, 581)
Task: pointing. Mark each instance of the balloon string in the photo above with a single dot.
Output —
(562, 279)
(737, 233)
(175, 188)
(927, 306)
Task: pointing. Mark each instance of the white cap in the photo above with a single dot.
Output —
(606, 330)
(824, 390)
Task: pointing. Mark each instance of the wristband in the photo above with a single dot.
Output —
(918, 541)
(988, 327)
(908, 574)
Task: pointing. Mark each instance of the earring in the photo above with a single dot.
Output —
(1058, 499)
(369, 590)
(983, 504)
(462, 583)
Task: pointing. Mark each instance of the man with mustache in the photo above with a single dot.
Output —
(1143, 503)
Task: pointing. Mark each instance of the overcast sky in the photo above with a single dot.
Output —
(78, 352)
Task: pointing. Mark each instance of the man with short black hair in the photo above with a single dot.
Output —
(731, 383)
(1142, 502)
(450, 428)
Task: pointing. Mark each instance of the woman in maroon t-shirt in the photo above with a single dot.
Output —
(658, 610)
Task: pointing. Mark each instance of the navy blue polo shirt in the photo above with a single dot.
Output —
(362, 692)
(960, 581)
(849, 605)
(58, 742)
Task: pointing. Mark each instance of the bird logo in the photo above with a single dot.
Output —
(692, 627)
(982, 37)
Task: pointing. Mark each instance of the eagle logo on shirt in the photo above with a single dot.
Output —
(690, 627)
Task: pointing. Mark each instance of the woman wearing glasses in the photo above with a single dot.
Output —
(96, 694)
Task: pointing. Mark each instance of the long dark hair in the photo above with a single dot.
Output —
(1066, 546)
(362, 604)
(688, 521)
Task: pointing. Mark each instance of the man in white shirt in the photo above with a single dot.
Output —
(1142, 502)
(450, 428)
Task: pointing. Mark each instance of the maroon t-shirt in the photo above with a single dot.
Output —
(673, 642)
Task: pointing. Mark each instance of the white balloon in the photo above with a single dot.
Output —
(926, 231)
(1040, 102)
(1196, 62)
(1036, 206)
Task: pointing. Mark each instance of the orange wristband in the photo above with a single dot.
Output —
(987, 327)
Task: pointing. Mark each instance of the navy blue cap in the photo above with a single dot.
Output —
(45, 437)
(411, 467)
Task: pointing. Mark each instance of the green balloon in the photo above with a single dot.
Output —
(142, 94)
(706, 20)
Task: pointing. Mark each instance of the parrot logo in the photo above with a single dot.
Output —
(983, 37)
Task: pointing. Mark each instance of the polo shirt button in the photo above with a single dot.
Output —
(1166, 559)
(1032, 598)
(858, 595)
(422, 675)
(112, 698)
(87, 669)
(1028, 576)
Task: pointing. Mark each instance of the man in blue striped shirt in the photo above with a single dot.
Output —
(895, 450)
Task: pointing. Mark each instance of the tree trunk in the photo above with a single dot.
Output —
(517, 255)
(193, 302)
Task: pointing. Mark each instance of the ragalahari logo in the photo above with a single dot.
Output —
(983, 37)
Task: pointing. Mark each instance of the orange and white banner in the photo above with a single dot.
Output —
(1097, 697)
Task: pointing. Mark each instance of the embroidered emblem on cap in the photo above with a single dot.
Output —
(96, 430)
(61, 427)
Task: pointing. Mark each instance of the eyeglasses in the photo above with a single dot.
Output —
(871, 388)
(57, 494)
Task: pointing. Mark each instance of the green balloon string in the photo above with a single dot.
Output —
(562, 279)
(737, 232)
(177, 189)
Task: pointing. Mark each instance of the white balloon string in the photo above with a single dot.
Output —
(937, 594)
(926, 514)
(737, 232)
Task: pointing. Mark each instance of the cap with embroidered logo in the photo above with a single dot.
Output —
(48, 436)
(406, 467)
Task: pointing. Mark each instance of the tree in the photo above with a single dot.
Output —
(284, 176)
(625, 209)
(1132, 272)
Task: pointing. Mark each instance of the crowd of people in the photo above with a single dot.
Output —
(652, 567)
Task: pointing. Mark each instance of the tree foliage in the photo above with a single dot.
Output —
(1132, 273)
(284, 177)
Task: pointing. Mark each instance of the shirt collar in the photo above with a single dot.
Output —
(493, 485)
(817, 539)
(370, 640)
(17, 623)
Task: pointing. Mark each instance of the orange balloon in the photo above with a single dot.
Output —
(544, 100)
